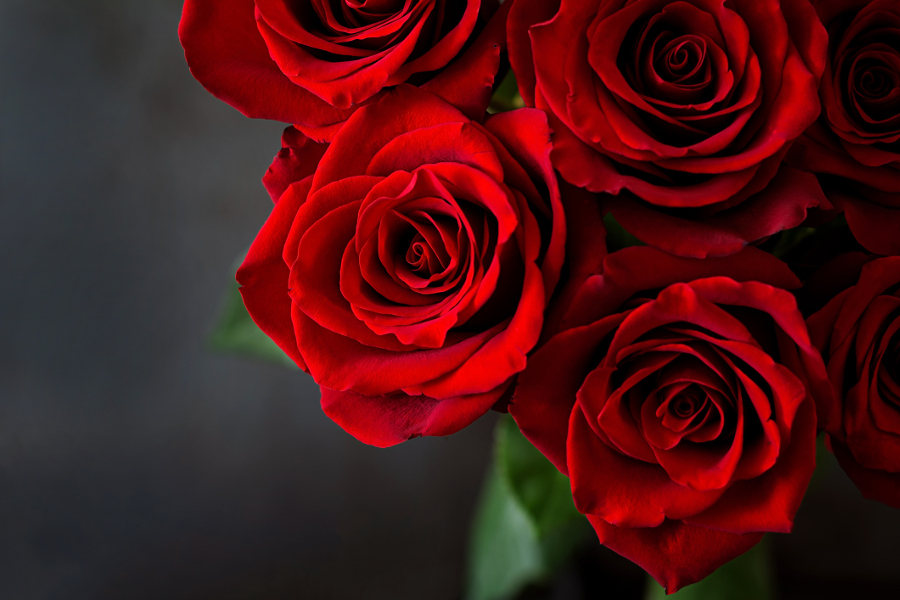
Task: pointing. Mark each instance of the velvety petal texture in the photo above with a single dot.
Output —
(856, 142)
(859, 334)
(313, 63)
(681, 397)
(678, 113)
(410, 274)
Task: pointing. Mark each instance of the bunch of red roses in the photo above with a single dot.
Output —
(426, 261)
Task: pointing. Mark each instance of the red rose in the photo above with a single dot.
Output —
(680, 399)
(313, 63)
(858, 334)
(858, 134)
(409, 275)
(683, 110)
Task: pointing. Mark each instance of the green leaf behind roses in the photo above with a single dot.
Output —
(617, 237)
(747, 577)
(506, 95)
(526, 526)
(236, 333)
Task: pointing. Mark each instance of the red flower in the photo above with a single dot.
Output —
(313, 63)
(858, 134)
(409, 275)
(684, 110)
(859, 334)
(680, 399)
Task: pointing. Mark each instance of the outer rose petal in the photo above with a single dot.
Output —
(880, 486)
(674, 553)
(388, 420)
(818, 152)
(628, 271)
(875, 226)
(264, 274)
(545, 392)
(228, 56)
(783, 205)
(467, 83)
(769, 502)
(298, 158)
(227, 51)
(620, 489)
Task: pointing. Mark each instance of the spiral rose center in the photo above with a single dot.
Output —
(684, 406)
(874, 88)
(875, 83)
(681, 59)
(421, 257)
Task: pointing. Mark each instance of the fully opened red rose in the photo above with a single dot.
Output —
(859, 333)
(310, 62)
(858, 134)
(680, 399)
(409, 275)
(682, 109)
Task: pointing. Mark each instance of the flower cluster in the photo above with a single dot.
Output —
(428, 259)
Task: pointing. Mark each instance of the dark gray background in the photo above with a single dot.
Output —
(136, 464)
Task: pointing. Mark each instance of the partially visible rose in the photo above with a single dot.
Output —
(313, 63)
(409, 275)
(679, 112)
(858, 134)
(680, 398)
(859, 334)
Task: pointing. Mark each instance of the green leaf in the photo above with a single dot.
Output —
(617, 237)
(526, 526)
(747, 577)
(236, 333)
(537, 485)
(504, 555)
(791, 239)
(506, 96)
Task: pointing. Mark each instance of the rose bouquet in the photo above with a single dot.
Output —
(657, 233)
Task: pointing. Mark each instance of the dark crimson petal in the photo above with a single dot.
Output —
(612, 419)
(263, 276)
(298, 158)
(448, 46)
(524, 14)
(770, 501)
(875, 226)
(339, 83)
(637, 268)
(782, 307)
(507, 352)
(545, 391)
(228, 56)
(783, 205)
(818, 152)
(875, 279)
(468, 82)
(388, 420)
(674, 553)
(525, 135)
(585, 250)
(336, 361)
(622, 490)
(402, 110)
(874, 484)
(454, 142)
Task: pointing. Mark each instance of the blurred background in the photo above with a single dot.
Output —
(134, 462)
